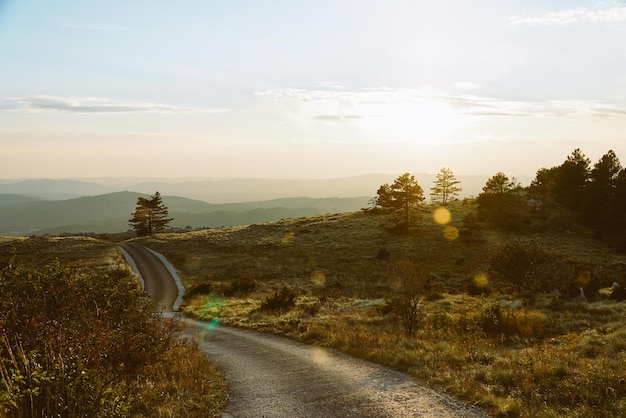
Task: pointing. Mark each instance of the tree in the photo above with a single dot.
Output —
(405, 193)
(500, 184)
(571, 179)
(445, 186)
(411, 286)
(599, 194)
(150, 216)
(500, 202)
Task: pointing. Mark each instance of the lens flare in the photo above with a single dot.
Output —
(584, 277)
(442, 216)
(450, 233)
(481, 280)
(318, 278)
(212, 309)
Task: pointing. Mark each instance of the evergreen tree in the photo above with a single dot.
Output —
(599, 193)
(150, 216)
(500, 202)
(500, 184)
(405, 193)
(571, 178)
(445, 187)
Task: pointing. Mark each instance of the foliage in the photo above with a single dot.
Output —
(281, 301)
(410, 289)
(501, 202)
(445, 187)
(150, 216)
(404, 194)
(529, 267)
(75, 344)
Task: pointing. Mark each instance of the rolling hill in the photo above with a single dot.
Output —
(23, 215)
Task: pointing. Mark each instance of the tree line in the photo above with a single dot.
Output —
(594, 195)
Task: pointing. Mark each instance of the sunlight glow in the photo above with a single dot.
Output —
(442, 216)
(450, 233)
(481, 280)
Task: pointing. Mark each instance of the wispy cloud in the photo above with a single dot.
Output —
(614, 14)
(91, 25)
(95, 105)
(342, 105)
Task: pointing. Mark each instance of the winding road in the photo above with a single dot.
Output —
(271, 376)
(156, 279)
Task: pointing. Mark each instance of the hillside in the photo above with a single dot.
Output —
(24, 215)
(517, 342)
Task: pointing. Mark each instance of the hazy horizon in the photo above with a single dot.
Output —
(327, 89)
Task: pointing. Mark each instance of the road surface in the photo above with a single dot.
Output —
(270, 376)
(156, 278)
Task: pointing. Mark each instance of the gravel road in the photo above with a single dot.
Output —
(271, 376)
(156, 277)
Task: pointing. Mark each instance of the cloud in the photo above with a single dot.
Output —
(91, 26)
(614, 14)
(342, 105)
(95, 105)
(338, 118)
(464, 85)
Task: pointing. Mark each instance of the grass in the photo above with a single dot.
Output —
(508, 350)
(484, 338)
(180, 381)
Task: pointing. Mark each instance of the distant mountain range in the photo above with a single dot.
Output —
(53, 206)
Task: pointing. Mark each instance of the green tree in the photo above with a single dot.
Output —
(150, 216)
(599, 193)
(404, 194)
(445, 186)
(500, 184)
(500, 202)
(571, 178)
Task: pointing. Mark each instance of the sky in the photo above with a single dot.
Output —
(307, 89)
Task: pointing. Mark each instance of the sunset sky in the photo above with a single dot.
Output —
(307, 89)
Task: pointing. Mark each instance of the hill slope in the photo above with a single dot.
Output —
(22, 215)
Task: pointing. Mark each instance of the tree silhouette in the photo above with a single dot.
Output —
(499, 184)
(445, 186)
(150, 216)
(405, 193)
(500, 202)
(571, 178)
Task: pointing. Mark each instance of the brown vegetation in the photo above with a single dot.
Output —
(77, 338)
(509, 334)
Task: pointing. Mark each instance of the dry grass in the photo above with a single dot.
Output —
(180, 383)
(513, 354)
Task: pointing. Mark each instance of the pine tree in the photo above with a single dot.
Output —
(404, 194)
(445, 187)
(150, 216)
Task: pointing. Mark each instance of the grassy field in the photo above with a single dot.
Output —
(523, 344)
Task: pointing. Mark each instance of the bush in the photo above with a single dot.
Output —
(85, 336)
(281, 301)
(531, 268)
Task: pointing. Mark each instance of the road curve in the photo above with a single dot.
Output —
(271, 376)
(157, 279)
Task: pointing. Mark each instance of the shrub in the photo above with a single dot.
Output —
(531, 268)
(281, 301)
(411, 287)
(85, 338)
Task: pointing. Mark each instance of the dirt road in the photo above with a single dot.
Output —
(156, 278)
(271, 376)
